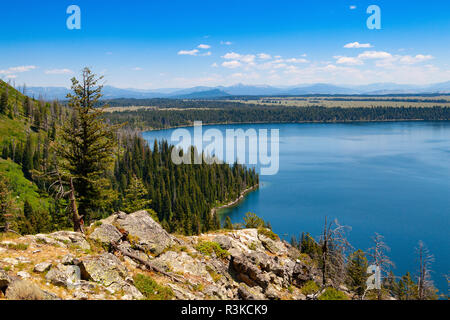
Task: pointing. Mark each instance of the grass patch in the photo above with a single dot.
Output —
(17, 246)
(310, 287)
(333, 294)
(208, 247)
(151, 289)
(267, 233)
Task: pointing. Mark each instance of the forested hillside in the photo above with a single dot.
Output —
(40, 157)
(161, 118)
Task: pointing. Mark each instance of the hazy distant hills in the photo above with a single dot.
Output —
(203, 92)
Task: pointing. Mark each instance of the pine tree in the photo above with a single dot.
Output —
(3, 102)
(87, 147)
(357, 272)
(136, 196)
(228, 225)
(406, 288)
(7, 203)
(27, 159)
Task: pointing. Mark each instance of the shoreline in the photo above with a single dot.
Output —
(291, 122)
(235, 201)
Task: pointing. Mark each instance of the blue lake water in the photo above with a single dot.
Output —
(390, 178)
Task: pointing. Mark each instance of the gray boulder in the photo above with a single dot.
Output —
(105, 269)
(25, 290)
(144, 232)
(105, 234)
(64, 276)
(42, 267)
(247, 293)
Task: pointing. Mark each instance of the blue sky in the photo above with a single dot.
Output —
(173, 44)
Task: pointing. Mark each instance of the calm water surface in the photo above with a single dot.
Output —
(390, 178)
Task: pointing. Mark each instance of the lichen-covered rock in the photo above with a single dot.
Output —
(273, 246)
(64, 276)
(250, 293)
(42, 267)
(105, 234)
(75, 239)
(181, 262)
(105, 269)
(144, 232)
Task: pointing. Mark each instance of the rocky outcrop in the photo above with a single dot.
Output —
(102, 265)
(144, 233)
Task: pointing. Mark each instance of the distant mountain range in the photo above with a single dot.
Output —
(202, 92)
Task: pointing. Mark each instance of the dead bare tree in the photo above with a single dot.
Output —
(425, 286)
(334, 245)
(378, 257)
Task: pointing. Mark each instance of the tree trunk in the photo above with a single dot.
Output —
(76, 218)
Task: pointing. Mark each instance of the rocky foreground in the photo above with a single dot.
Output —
(104, 263)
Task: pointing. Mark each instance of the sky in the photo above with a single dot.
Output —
(180, 44)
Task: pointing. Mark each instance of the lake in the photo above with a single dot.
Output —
(389, 177)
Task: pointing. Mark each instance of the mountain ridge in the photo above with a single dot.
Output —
(199, 92)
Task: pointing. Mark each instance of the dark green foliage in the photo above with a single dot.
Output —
(3, 102)
(406, 288)
(136, 196)
(251, 220)
(223, 112)
(357, 272)
(227, 224)
(86, 147)
(182, 195)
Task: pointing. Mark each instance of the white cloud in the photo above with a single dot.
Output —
(357, 45)
(375, 55)
(204, 46)
(353, 7)
(137, 69)
(58, 71)
(296, 60)
(188, 52)
(214, 65)
(348, 61)
(417, 59)
(226, 43)
(231, 55)
(264, 56)
(206, 53)
(18, 69)
(246, 58)
(231, 64)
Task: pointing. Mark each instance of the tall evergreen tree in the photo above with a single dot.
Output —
(357, 272)
(4, 102)
(87, 146)
(136, 196)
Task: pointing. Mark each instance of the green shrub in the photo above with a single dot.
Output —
(267, 233)
(253, 221)
(208, 247)
(310, 287)
(152, 290)
(333, 294)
